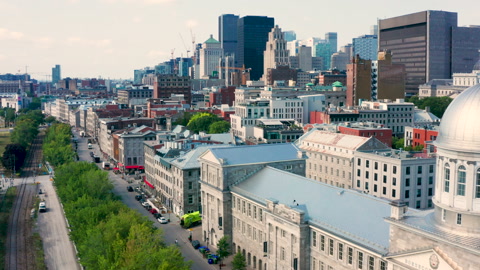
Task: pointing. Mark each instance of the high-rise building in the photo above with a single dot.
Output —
(332, 38)
(252, 39)
(304, 58)
(290, 35)
(56, 74)
(430, 44)
(227, 33)
(323, 50)
(210, 56)
(366, 47)
(373, 80)
(167, 84)
(276, 53)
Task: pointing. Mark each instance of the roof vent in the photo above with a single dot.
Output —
(341, 192)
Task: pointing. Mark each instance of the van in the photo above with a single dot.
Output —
(90, 146)
(42, 207)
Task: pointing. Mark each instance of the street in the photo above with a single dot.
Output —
(171, 231)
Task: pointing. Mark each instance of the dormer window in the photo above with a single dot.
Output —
(461, 181)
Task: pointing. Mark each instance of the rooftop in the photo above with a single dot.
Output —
(315, 199)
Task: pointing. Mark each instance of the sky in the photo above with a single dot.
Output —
(111, 38)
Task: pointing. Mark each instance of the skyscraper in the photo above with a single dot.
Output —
(227, 33)
(289, 35)
(332, 38)
(252, 39)
(276, 53)
(430, 44)
(210, 55)
(366, 47)
(56, 74)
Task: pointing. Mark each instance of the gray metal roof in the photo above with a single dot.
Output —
(347, 213)
(425, 221)
(190, 159)
(249, 154)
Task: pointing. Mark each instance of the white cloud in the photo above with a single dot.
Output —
(137, 20)
(191, 23)
(43, 42)
(101, 43)
(6, 34)
(157, 54)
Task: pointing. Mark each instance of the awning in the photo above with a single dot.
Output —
(136, 167)
(116, 169)
(148, 184)
(120, 164)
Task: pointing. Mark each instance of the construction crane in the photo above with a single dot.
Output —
(193, 46)
(175, 68)
(183, 41)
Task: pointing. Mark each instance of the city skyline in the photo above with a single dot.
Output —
(111, 38)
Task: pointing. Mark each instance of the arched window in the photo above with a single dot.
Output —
(461, 180)
(446, 178)
(477, 185)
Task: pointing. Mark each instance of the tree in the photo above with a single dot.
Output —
(202, 121)
(397, 143)
(36, 104)
(50, 119)
(223, 245)
(219, 127)
(24, 132)
(239, 262)
(14, 155)
(437, 105)
(186, 116)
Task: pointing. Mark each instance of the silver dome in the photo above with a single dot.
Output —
(460, 125)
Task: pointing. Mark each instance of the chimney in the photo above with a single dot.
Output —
(398, 209)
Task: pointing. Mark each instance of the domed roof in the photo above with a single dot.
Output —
(459, 128)
(477, 65)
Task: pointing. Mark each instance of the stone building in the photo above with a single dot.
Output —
(223, 167)
(330, 155)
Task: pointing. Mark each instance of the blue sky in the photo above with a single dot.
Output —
(111, 38)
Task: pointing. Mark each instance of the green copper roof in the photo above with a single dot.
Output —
(211, 40)
(337, 84)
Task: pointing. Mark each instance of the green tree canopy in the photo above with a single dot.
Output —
(14, 155)
(397, 143)
(202, 121)
(219, 127)
(223, 245)
(239, 262)
(50, 119)
(437, 105)
(24, 132)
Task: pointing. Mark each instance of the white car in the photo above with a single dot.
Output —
(162, 220)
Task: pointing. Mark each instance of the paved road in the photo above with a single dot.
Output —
(171, 231)
(59, 250)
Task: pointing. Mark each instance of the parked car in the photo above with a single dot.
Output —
(195, 244)
(145, 204)
(130, 189)
(92, 154)
(153, 211)
(162, 220)
(157, 215)
(138, 197)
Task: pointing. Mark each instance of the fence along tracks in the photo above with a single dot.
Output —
(20, 251)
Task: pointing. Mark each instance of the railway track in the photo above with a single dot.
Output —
(20, 249)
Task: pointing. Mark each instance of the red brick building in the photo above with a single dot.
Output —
(415, 136)
(225, 95)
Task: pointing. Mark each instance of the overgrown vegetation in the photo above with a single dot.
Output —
(39, 253)
(107, 233)
(204, 121)
(437, 105)
(5, 210)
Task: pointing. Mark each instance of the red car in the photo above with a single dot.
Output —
(153, 211)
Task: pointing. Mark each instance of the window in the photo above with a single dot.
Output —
(314, 239)
(394, 193)
(371, 263)
(394, 169)
(375, 165)
(384, 192)
(358, 172)
(394, 181)
(384, 179)
(243, 207)
(461, 181)
(447, 178)
(358, 183)
(384, 167)
(430, 180)
(459, 219)
(430, 169)
(330, 246)
(282, 253)
(254, 212)
(430, 192)
(417, 204)
(190, 185)
(419, 181)
(360, 260)
(367, 163)
(322, 242)
(340, 251)
(190, 199)
(359, 162)
(350, 255)
(419, 169)
(477, 185)
(407, 182)
(383, 265)
(444, 214)
(375, 176)
(419, 193)
(407, 194)
(407, 170)
(366, 175)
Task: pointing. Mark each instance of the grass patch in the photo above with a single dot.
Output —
(4, 140)
(5, 210)
(39, 253)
